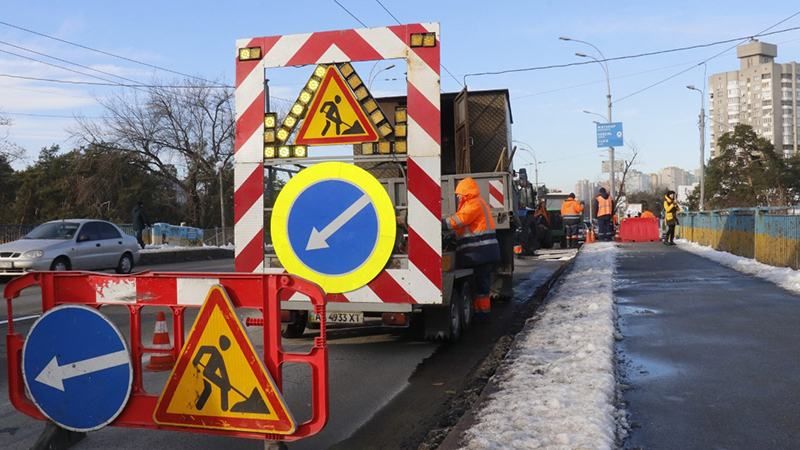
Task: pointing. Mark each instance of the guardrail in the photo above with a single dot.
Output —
(769, 235)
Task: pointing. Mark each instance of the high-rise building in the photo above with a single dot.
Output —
(672, 177)
(762, 93)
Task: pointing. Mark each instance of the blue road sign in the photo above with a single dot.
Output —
(333, 227)
(77, 368)
(334, 224)
(609, 134)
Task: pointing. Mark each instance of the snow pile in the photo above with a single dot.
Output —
(784, 277)
(556, 388)
(159, 248)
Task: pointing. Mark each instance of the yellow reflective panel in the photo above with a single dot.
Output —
(297, 109)
(376, 116)
(367, 148)
(269, 151)
(384, 147)
(319, 71)
(289, 121)
(400, 130)
(400, 115)
(346, 69)
(429, 40)
(370, 105)
(284, 151)
(416, 39)
(270, 120)
(354, 81)
(385, 130)
(305, 97)
(299, 151)
(283, 134)
(269, 136)
(400, 146)
(361, 93)
(312, 85)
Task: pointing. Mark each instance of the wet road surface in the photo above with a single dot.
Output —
(709, 355)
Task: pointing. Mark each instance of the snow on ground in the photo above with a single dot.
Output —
(556, 388)
(784, 277)
(159, 248)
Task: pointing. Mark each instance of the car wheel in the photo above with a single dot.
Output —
(125, 264)
(60, 264)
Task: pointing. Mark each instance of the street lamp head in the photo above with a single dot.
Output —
(581, 55)
(389, 67)
(564, 38)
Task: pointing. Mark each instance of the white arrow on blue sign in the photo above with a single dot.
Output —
(77, 368)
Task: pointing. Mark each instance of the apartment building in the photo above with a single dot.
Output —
(762, 93)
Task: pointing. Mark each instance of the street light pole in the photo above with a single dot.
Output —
(604, 65)
(531, 152)
(701, 125)
(373, 76)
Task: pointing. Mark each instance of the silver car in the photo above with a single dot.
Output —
(80, 244)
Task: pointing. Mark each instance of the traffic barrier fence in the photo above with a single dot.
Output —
(769, 235)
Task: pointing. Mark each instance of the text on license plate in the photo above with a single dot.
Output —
(340, 317)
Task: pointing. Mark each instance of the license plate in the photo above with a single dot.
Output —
(340, 317)
(6, 264)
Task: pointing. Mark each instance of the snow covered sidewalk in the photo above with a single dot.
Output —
(556, 388)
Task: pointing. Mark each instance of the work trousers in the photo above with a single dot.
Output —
(605, 230)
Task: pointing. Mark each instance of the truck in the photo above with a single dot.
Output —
(475, 142)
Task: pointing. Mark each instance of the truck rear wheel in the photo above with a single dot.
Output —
(455, 317)
(296, 327)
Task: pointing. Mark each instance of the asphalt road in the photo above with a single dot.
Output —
(369, 368)
(710, 354)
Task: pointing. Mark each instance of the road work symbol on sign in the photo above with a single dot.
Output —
(334, 224)
(77, 368)
(335, 115)
(219, 382)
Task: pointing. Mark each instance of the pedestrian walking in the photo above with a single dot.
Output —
(140, 221)
(571, 215)
(476, 240)
(604, 210)
(671, 209)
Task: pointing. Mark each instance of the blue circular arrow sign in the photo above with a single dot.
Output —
(77, 368)
(333, 227)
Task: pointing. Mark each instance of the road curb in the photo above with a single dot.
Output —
(184, 255)
(482, 381)
(481, 385)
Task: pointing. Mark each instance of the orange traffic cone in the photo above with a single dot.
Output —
(161, 361)
(590, 237)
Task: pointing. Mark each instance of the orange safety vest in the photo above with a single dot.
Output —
(604, 206)
(571, 207)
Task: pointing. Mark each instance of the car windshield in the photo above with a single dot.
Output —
(54, 230)
(554, 203)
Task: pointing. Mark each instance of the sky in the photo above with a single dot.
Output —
(198, 38)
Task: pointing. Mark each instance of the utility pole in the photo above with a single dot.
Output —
(701, 125)
(604, 65)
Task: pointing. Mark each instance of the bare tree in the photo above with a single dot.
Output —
(627, 166)
(182, 134)
(9, 150)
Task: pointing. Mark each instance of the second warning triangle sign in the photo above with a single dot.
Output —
(335, 117)
(219, 382)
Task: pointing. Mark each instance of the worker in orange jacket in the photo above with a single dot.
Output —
(571, 215)
(604, 211)
(476, 241)
(646, 213)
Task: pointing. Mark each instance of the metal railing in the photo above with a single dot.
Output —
(769, 235)
(10, 233)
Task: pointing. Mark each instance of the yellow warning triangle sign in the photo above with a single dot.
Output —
(219, 382)
(335, 116)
